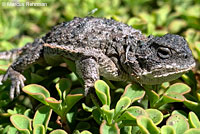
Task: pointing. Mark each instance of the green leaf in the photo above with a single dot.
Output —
(152, 96)
(150, 28)
(70, 64)
(165, 85)
(169, 98)
(103, 92)
(3, 68)
(38, 92)
(73, 77)
(42, 116)
(28, 112)
(146, 125)
(108, 113)
(97, 116)
(85, 132)
(63, 87)
(126, 130)
(136, 130)
(21, 122)
(58, 131)
(121, 106)
(134, 92)
(166, 129)
(11, 130)
(198, 95)
(162, 15)
(176, 25)
(136, 23)
(193, 120)
(39, 129)
(9, 34)
(132, 113)
(54, 104)
(86, 108)
(178, 122)
(179, 88)
(76, 132)
(7, 45)
(194, 106)
(71, 100)
(77, 91)
(19, 109)
(155, 115)
(24, 40)
(192, 131)
(35, 78)
(105, 129)
(181, 112)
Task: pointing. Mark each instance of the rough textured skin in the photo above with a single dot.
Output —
(104, 47)
(10, 55)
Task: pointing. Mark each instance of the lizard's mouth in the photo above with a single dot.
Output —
(159, 74)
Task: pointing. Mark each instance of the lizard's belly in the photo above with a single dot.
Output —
(53, 59)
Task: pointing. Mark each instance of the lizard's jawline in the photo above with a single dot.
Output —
(145, 73)
(151, 78)
(172, 73)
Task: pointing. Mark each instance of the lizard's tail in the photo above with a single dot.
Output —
(14, 53)
(10, 55)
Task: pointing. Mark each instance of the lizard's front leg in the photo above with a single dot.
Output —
(30, 55)
(88, 70)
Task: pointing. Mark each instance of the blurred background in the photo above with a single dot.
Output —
(21, 24)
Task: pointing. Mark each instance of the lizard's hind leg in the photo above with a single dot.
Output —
(31, 53)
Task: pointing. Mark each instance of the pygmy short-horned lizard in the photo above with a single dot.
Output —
(104, 47)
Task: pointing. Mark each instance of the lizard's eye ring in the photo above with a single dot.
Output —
(163, 52)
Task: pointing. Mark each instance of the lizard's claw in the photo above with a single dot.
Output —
(17, 81)
(1, 78)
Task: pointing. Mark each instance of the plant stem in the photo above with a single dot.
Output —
(65, 124)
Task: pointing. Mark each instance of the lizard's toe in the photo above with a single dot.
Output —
(17, 90)
(12, 92)
(17, 82)
(88, 90)
(5, 77)
(1, 79)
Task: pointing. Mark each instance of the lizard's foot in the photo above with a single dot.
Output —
(1, 78)
(87, 90)
(17, 81)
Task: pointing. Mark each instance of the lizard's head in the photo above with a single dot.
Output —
(161, 59)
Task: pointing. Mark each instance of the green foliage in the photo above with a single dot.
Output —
(124, 115)
(58, 132)
(115, 107)
(39, 124)
(61, 107)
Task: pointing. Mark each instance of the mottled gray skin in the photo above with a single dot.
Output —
(104, 47)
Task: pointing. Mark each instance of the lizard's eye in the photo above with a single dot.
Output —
(164, 52)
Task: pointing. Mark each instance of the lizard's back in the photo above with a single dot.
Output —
(93, 32)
